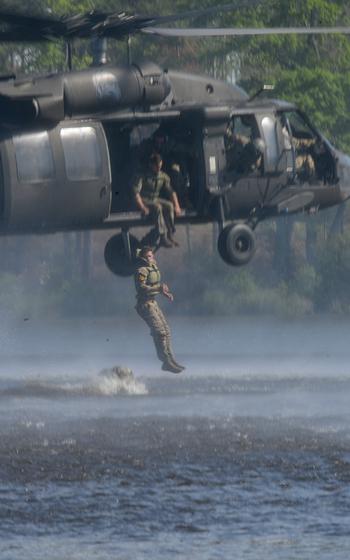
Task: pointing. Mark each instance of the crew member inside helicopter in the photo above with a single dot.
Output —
(175, 153)
(313, 161)
(153, 144)
(177, 170)
(148, 190)
(304, 162)
(244, 147)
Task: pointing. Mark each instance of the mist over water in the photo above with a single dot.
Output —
(246, 453)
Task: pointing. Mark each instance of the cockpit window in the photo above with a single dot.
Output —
(245, 125)
(299, 127)
(81, 153)
(308, 157)
(34, 158)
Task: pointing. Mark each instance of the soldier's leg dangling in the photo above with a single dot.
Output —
(160, 332)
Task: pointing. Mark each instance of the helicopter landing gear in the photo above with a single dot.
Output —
(236, 244)
(120, 253)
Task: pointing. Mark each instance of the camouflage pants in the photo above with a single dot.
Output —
(162, 211)
(305, 166)
(153, 316)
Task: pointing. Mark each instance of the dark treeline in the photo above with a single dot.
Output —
(302, 264)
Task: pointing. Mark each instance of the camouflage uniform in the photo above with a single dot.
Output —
(304, 162)
(148, 286)
(149, 186)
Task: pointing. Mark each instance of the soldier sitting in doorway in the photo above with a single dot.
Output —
(147, 190)
(174, 153)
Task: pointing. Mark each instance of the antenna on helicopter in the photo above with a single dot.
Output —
(265, 87)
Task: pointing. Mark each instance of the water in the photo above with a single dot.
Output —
(245, 455)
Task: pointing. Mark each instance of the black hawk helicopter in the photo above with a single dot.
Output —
(70, 142)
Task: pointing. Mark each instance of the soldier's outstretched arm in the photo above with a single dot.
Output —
(166, 292)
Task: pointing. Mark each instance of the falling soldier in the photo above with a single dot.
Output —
(148, 286)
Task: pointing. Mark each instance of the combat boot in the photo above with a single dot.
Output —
(170, 366)
(177, 364)
(164, 242)
(170, 355)
(172, 240)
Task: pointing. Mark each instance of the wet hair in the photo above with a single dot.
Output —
(155, 159)
(144, 250)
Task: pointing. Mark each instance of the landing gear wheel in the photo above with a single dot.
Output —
(116, 255)
(236, 244)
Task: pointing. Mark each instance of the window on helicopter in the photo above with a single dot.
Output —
(307, 147)
(299, 127)
(82, 154)
(313, 151)
(34, 159)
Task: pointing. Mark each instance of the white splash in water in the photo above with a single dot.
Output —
(114, 381)
(115, 386)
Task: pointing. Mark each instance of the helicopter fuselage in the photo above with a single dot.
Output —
(72, 144)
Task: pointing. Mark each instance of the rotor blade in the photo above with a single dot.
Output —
(244, 31)
(207, 11)
(118, 25)
(15, 27)
(34, 23)
(103, 24)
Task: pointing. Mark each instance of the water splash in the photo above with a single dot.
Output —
(109, 382)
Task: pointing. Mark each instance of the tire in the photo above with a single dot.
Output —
(236, 244)
(116, 258)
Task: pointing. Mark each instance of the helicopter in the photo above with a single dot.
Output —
(70, 142)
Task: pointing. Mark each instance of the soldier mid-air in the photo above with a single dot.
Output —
(147, 192)
(148, 286)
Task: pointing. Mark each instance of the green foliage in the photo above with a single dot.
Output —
(306, 281)
(333, 268)
(243, 294)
